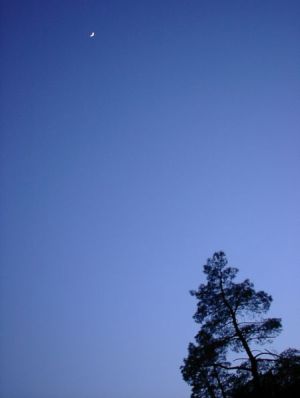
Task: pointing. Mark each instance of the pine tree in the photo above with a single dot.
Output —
(230, 315)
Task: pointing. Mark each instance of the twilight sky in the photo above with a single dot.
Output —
(127, 159)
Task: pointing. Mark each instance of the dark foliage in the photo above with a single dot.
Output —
(231, 318)
(282, 380)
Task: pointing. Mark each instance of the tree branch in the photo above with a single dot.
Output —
(233, 367)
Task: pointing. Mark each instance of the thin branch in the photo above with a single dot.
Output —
(267, 353)
(233, 367)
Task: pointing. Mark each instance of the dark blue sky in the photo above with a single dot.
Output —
(127, 160)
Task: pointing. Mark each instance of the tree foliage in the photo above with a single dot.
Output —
(232, 319)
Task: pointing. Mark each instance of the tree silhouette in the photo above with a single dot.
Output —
(231, 318)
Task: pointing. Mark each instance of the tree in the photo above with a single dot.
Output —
(231, 318)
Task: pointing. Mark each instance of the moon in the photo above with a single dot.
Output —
(92, 34)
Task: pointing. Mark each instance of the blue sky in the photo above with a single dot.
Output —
(126, 161)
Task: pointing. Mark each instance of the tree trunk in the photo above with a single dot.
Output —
(252, 359)
(239, 334)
